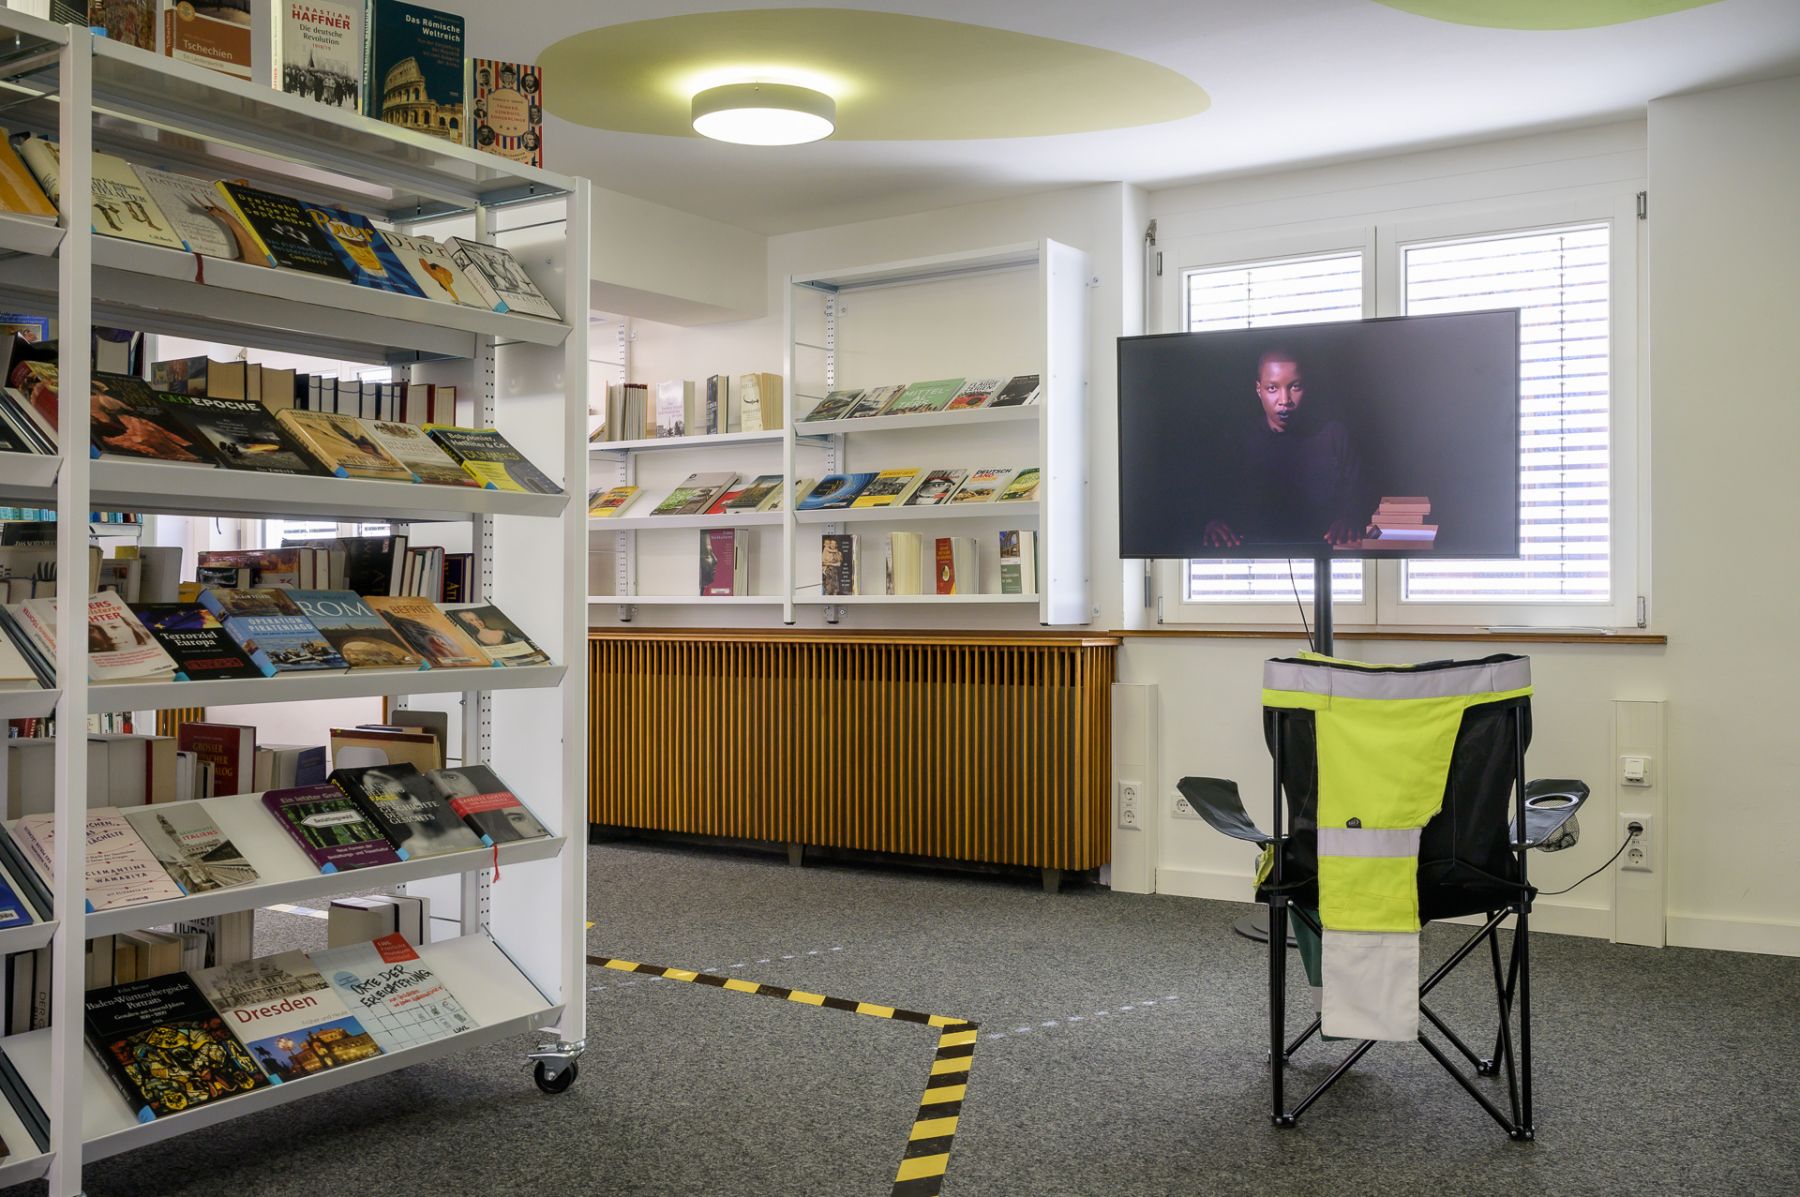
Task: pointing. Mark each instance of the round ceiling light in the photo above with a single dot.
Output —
(764, 114)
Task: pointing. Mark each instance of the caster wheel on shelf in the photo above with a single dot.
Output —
(554, 1084)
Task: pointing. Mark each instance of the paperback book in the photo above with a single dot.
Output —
(757, 493)
(482, 800)
(974, 393)
(491, 460)
(723, 554)
(607, 504)
(1018, 561)
(286, 1015)
(981, 486)
(833, 405)
(425, 628)
(190, 847)
(342, 445)
(886, 489)
(319, 51)
(496, 635)
(925, 397)
(330, 828)
(270, 629)
(20, 193)
(1021, 390)
(196, 641)
(414, 449)
(838, 564)
(13, 910)
(759, 402)
(695, 494)
(393, 992)
(283, 230)
(835, 490)
(507, 116)
(120, 649)
(120, 207)
(199, 217)
(211, 33)
(1023, 487)
(121, 871)
(129, 420)
(241, 433)
(165, 1046)
(431, 266)
(410, 811)
(413, 69)
(362, 251)
(499, 278)
(873, 402)
(363, 638)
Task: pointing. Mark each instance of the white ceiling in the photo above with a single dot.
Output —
(1292, 81)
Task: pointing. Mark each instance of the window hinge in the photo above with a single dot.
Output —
(1159, 614)
(1147, 577)
(1643, 198)
(1643, 612)
(1159, 263)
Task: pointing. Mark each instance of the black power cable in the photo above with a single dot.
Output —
(1629, 836)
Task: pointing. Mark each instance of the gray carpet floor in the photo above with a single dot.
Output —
(1120, 1053)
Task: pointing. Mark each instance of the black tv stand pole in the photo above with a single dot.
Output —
(1255, 925)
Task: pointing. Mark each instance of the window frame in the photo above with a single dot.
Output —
(1383, 242)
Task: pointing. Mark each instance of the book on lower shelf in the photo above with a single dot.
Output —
(394, 992)
(492, 631)
(838, 564)
(165, 1046)
(191, 848)
(330, 828)
(286, 1015)
(362, 637)
(695, 494)
(757, 399)
(416, 818)
(1018, 561)
(724, 562)
(610, 503)
(269, 627)
(425, 628)
(476, 793)
(491, 459)
(906, 568)
(957, 563)
(121, 869)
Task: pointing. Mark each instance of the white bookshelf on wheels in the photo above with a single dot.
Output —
(517, 964)
(1008, 310)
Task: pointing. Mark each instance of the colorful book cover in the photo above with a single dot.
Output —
(284, 230)
(924, 397)
(229, 749)
(190, 847)
(121, 871)
(507, 114)
(974, 393)
(499, 278)
(873, 402)
(754, 495)
(606, 504)
(491, 460)
(837, 564)
(120, 207)
(937, 487)
(424, 626)
(271, 630)
(362, 252)
(342, 445)
(981, 486)
(119, 647)
(431, 266)
(166, 1047)
(13, 910)
(330, 828)
(242, 434)
(199, 217)
(477, 794)
(414, 816)
(413, 69)
(1023, 486)
(20, 193)
(695, 494)
(393, 992)
(496, 635)
(1021, 390)
(287, 1015)
(835, 490)
(319, 51)
(833, 405)
(131, 22)
(414, 449)
(197, 642)
(360, 636)
(887, 488)
(719, 550)
(131, 420)
(209, 33)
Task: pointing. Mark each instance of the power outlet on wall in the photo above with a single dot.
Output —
(1637, 857)
(1183, 809)
(1131, 793)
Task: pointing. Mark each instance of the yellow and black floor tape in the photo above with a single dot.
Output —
(927, 1154)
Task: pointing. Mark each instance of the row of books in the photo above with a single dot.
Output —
(132, 421)
(918, 564)
(231, 220)
(682, 408)
(408, 68)
(917, 398)
(277, 389)
(363, 564)
(720, 494)
(261, 633)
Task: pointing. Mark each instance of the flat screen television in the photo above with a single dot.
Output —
(1394, 437)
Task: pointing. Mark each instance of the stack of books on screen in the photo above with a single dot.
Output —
(912, 487)
(417, 403)
(1400, 523)
(681, 407)
(236, 221)
(935, 395)
(915, 564)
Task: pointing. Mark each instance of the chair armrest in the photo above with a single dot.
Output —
(1216, 800)
(1549, 803)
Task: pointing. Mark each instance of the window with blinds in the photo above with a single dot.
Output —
(1560, 281)
(1304, 290)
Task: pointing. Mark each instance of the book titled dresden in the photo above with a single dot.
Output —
(165, 1046)
(287, 1015)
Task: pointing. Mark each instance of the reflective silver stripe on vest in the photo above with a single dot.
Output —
(1368, 841)
(1489, 678)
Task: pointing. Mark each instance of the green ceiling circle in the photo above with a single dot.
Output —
(894, 77)
(1543, 14)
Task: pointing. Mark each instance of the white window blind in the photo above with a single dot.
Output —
(1560, 282)
(1305, 290)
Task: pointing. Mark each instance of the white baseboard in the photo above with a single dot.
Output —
(1734, 935)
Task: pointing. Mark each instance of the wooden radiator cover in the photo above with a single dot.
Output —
(976, 747)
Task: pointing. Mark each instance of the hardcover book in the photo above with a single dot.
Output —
(499, 278)
(753, 496)
(606, 504)
(393, 992)
(361, 637)
(496, 635)
(1024, 486)
(120, 207)
(13, 910)
(241, 433)
(413, 448)
(695, 494)
(342, 445)
(166, 1047)
(210, 33)
(721, 562)
(129, 420)
(837, 564)
(886, 489)
(974, 393)
(874, 402)
(190, 847)
(835, 490)
(413, 69)
(937, 486)
(119, 647)
(319, 51)
(490, 459)
(925, 396)
(284, 230)
(429, 632)
(330, 828)
(121, 871)
(507, 116)
(1021, 390)
(287, 1015)
(759, 402)
(431, 266)
(414, 816)
(1018, 561)
(362, 251)
(228, 750)
(199, 217)
(833, 405)
(981, 486)
(196, 641)
(478, 795)
(20, 192)
(132, 22)
(272, 632)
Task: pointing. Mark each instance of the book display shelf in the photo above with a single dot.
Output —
(516, 965)
(1009, 310)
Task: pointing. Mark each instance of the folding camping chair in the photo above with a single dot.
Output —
(1471, 858)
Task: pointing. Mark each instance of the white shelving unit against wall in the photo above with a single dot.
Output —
(517, 964)
(1018, 309)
